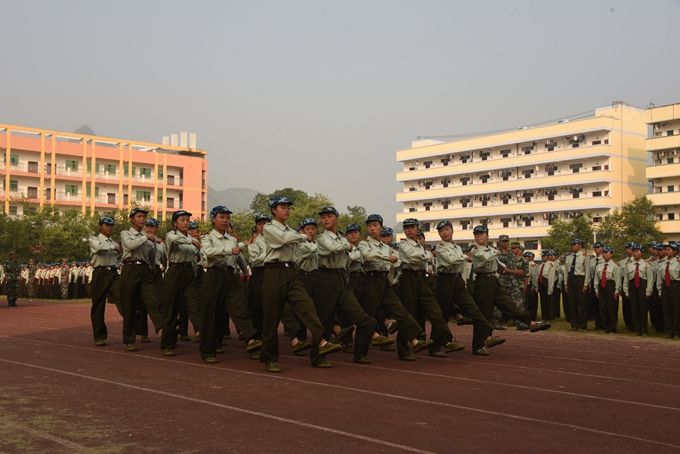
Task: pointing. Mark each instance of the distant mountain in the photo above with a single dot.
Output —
(236, 199)
(85, 129)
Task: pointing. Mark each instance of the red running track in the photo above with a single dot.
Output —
(547, 391)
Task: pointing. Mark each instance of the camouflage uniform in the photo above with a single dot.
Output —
(64, 278)
(513, 286)
(30, 283)
(12, 271)
(521, 264)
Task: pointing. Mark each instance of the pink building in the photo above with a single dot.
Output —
(98, 174)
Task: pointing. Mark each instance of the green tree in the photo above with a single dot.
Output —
(562, 231)
(635, 222)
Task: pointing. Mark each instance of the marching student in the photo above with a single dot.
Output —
(488, 291)
(416, 294)
(333, 293)
(137, 276)
(452, 291)
(282, 285)
(377, 293)
(182, 251)
(105, 283)
(222, 289)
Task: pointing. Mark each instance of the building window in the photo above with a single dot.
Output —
(597, 142)
(669, 160)
(145, 172)
(484, 155)
(465, 159)
(606, 167)
(464, 225)
(597, 219)
(531, 244)
(71, 165)
(71, 190)
(505, 153)
(527, 173)
(32, 192)
(669, 132)
(597, 193)
(428, 185)
(464, 181)
(427, 205)
(427, 164)
(445, 182)
(575, 168)
(671, 188)
(411, 209)
(527, 222)
(596, 168)
(505, 174)
(527, 150)
(446, 161)
(445, 204)
(13, 210)
(143, 196)
(33, 166)
(505, 222)
(671, 216)
(110, 169)
(484, 178)
(659, 217)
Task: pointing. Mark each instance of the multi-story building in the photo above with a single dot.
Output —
(519, 181)
(663, 171)
(95, 174)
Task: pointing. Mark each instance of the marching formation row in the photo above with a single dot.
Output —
(347, 291)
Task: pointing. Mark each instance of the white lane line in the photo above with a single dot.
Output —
(491, 363)
(45, 436)
(451, 377)
(374, 393)
(225, 407)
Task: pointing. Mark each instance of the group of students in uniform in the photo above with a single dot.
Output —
(349, 292)
(590, 287)
(52, 280)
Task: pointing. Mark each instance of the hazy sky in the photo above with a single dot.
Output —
(319, 95)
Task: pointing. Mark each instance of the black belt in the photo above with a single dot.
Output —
(181, 264)
(225, 269)
(377, 273)
(104, 267)
(413, 271)
(135, 262)
(280, 265)
(446, 273)
(356, 273)
(331, 270)
(490, 273)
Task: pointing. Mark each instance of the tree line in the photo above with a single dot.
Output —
(48, 235)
